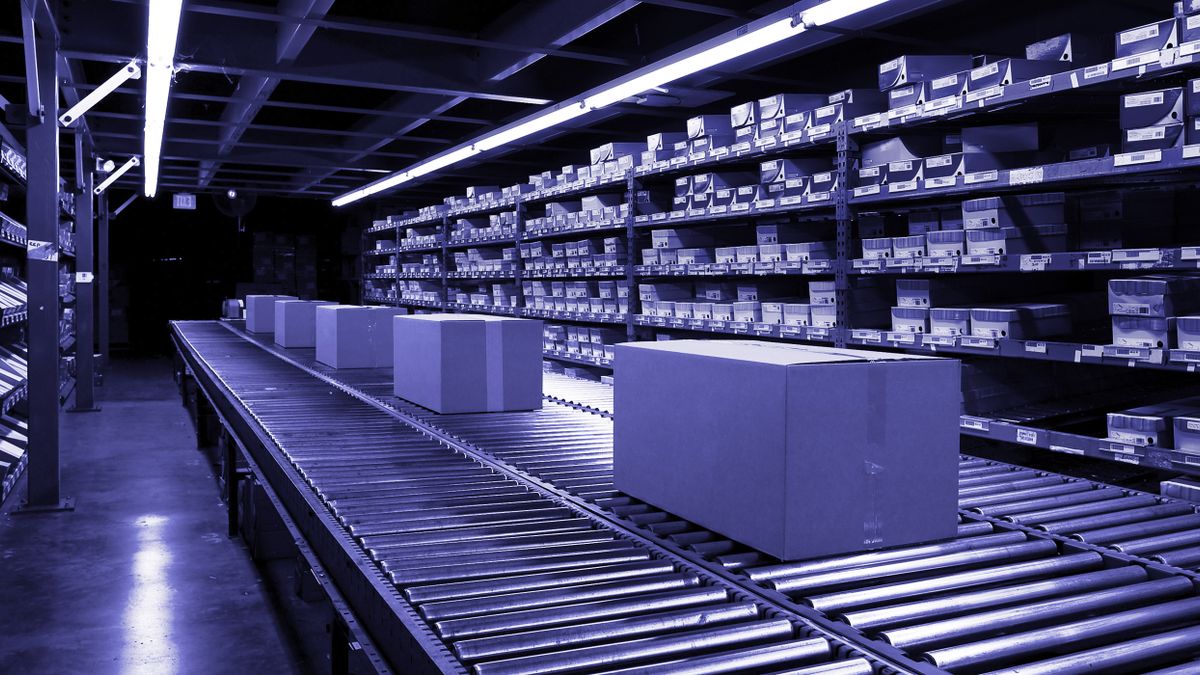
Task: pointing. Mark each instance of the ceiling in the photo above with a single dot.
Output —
(309, 98)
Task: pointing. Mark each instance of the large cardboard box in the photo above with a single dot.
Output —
(468, 363)
(296, 323)
(351, 336)
(260, 312)
(796, 451)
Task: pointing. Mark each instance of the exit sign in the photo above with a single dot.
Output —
(185, 201)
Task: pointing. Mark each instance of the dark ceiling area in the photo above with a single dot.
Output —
(311, 98)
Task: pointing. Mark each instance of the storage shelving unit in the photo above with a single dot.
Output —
(14, 362)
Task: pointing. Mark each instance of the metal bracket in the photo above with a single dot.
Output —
(112, 177)
(29, 30)
(130, 71)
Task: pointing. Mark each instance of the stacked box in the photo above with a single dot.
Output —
(1152, 120)
(1155, 425)
(464, 363)
(786, 113)
(779, 178)
(1020, 321)
(1143, 308)
(260, 312)
(1188, 332)
(680, 448)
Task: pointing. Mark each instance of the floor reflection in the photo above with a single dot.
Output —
(149, 645)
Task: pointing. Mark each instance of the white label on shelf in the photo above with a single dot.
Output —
(865, 190)
(718, 209)
(1137, 255)
(1099, 258)
(1191, 151)
(982, 94)
(977, 423)
(744, 146)
(977, 342)
(1066, 449)
(902, 111)
(818, 197)
(660, 216)
(765, 204)
(941, 104)
(1142, 100)
(902, 338)
(1027, 436)
(719, 152)
(981, 177)
(1040, 82)
(873, 118)
(1031, 175)
(941, 340)
(1091, 351)
(981, 259)
(866, 335)
(903, 186)
(1189, 48)
(740, 207)
(819, 130)
(1135, 61)
(1035, 347)
(1189, 253)
(1133, 158)
(1128, 459)
(942, 182)
(1035, 262)
(1138, 34)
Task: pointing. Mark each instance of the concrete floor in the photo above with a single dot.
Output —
(141, 577)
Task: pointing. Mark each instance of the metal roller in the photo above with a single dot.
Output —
(1175, 645)
(1062, 488)
(1081, 510)
(956, 631)
(586, 557)
(877, 595)
(964, 603)
(351, 513)
(1020, 474)
(762, 574)
(1085, 523)
(561, 615)
(1162, 542)
(454, 609)
(1189, 668)
(1047, 502)
(1013, 486)
(1020, 646)
(974, 528)
(1188, 558)
(579, 634)
(429, 553)
(736, 661)
(838, 579)
(1139, 529)
(988, 470)
(402, 539)
(847, 667)
(531, 582)
(643, 649)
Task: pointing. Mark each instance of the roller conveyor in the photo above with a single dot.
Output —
(1037, 557)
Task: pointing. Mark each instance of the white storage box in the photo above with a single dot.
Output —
(296, 323)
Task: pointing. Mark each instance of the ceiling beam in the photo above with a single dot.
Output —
(264, 127)
(263, 146)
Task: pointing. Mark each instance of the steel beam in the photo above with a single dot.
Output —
(102, 278)
(85, 288)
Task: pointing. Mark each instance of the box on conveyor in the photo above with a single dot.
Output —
(1154, 295)
(721, 432)
(1151, 425)
(296, 323)
(260, 312)
(467, 363)
(1019, 321)
(350, 336)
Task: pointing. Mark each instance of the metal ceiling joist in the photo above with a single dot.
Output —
(266, 127)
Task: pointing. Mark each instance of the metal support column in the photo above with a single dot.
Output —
(85, 295)
(102, 280)
(42, 213)
(632, 186)
(846, 151)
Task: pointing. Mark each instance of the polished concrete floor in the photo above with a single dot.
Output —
(141, 577)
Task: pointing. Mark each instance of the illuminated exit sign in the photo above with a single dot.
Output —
(184, 200)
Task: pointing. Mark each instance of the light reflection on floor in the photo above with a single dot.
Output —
(149, 646)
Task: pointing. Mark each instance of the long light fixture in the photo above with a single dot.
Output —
(734, 45)
(162, 34)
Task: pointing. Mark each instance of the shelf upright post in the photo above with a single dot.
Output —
(102, 278)
(85, 309)
(445, 263)
(42, 219)
(846, 149)
(396, 245)
(632, 185)
(518, 234)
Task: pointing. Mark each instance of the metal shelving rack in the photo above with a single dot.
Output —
(14, 385)
(844, 203)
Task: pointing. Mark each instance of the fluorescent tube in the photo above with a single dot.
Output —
(162, 34)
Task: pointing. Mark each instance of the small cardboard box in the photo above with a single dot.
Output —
(737, 436)
(349, 336)
(468, 363)
(1152, 108)
(260, 312)
(296, 323)
(917, 68)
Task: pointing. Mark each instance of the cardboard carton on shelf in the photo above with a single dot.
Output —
(1014, 211)
(1028, 320)
(758, 443)
(1188, 332)
(1152, 108)
(467, 363)
(1154, 295)
(1143, 332)
(949, 321)
(260, 312)
(1151, 37)
(1159, 137)
(916, 68)
(1151, 425)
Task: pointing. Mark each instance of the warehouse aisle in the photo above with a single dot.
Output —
(141, 577)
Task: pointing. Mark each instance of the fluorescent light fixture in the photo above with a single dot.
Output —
(130, 71)
(162, 34)
(112, 177)
(738, 44)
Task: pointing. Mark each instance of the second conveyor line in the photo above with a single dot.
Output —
(1015, 588)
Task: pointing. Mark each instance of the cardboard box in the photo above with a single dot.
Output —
(611, 151)
(1152, 108)
(1143, 332)
(1152, 138)
(910, 68)
(1152, 37)
(949, 321)
(1154, 295)
(1030, 320)
(349, 336)
(910, 320)
(797, 314)
(900, 148)
(1070, 48)
(1152, 425)
(1014, 211)
(260, 312)
(467, 363)
(296, 323)
(1182, 488)
(760, 442)
(1188, 332)
(1003, 72)
(1186, 430)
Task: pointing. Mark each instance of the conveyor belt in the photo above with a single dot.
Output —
(1044, 567)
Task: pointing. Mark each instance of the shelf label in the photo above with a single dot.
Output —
(864, 190)
(1027, 436)
(1027, 176)
(940, 104)
(981, 177)
(866, 335)
(940, 340)
(1134, 61)
(1033, 347)
(820, 130)
(903, 186)
(982, 94)
(942, 182)
(977, 342)
(902, 338)
(1099, 258)
(1035, 262)
(818, 197)
(1040, 82)
(977, 423)
(1134, 158)
(903, 111)
(981, 259)
(866, 120)
(42, 250)
(1128, 459)
(1066, 450)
